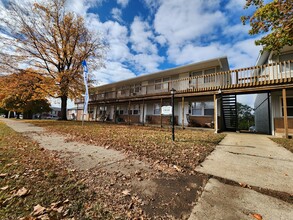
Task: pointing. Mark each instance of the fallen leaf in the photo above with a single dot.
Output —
(177, 168)
(22, 192)
(3, 175)
(4, 187)
(126, 192)
(38, 210)
(257, 216)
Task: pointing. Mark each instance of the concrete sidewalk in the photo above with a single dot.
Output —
(249, 159)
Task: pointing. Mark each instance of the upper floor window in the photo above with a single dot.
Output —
(206, 73)
(162, 83)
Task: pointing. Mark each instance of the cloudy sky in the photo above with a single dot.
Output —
(146, 36)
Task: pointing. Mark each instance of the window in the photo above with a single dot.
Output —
(157, 109)
(158, 84)
(209, 108)
(134, 110)
(166, 83)
(289, 106)
(120, 110)
(209, 79)
(103, 110)
(135, 88)
(202, 108)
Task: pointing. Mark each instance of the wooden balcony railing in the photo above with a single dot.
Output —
(268, 74)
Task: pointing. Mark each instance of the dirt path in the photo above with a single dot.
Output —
(145, 188)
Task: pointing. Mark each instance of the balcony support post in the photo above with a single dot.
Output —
(143, 112)
(215, 113)
(128, 113)
(182, 109)
(285, 113)
(161, 116)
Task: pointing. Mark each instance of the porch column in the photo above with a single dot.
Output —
(161, 118)
(89, 113)
(128, 112)
(143, 112)
(114, 116)
(285, 112)
(182, 109)
(97, 111)
(215, 113)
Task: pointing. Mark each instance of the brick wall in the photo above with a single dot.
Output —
(156, 119)
(132, 118)
(200, 121)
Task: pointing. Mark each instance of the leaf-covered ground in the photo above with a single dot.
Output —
(287, 143)
(34, 184)
(150, 144)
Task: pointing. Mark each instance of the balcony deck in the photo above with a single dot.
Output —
(245, 80)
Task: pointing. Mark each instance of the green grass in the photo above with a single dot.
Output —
(150, 143)
(286, 143)
(25, 164)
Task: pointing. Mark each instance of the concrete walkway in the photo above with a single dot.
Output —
(247, 159)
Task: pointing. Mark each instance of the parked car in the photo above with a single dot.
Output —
(252, 129)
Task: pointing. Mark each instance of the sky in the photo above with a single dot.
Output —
(146, 36)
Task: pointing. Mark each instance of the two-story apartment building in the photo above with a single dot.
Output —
(139, 100)
(205, 94)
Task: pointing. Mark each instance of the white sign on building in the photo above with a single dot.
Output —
(166, 110)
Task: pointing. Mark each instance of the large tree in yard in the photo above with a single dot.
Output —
(275, 19)
(53, 42)
(24, 92)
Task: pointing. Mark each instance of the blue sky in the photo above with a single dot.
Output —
(146, 36)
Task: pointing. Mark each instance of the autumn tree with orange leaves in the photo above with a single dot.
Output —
(23, 92)
(53, 42)
(274, 19)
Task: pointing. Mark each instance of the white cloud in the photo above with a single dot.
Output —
(147, 63)
(123, 3)
(116, 14)
(238, 30)
(141, 36)
(182, 21)
(114, 71)
(235, 5)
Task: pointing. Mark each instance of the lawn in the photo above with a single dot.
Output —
(34, 184)
(286, 143)
(150, 144)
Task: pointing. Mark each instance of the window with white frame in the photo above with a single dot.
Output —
(162, 83)
(158, 84)
(103, 110)
(208, 77)
(135, 110)
(157, 109)
(120, 110)
(289, 106)
(202, 108)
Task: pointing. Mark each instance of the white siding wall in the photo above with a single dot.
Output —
(262, 113)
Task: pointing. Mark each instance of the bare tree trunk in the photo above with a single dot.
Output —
(64, 107)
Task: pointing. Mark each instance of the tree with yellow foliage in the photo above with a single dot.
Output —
(53, 42)
(24, 92)
(275, 19)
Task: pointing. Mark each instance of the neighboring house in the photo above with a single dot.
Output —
(55, 113)
(205, 94)
(269, 108)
